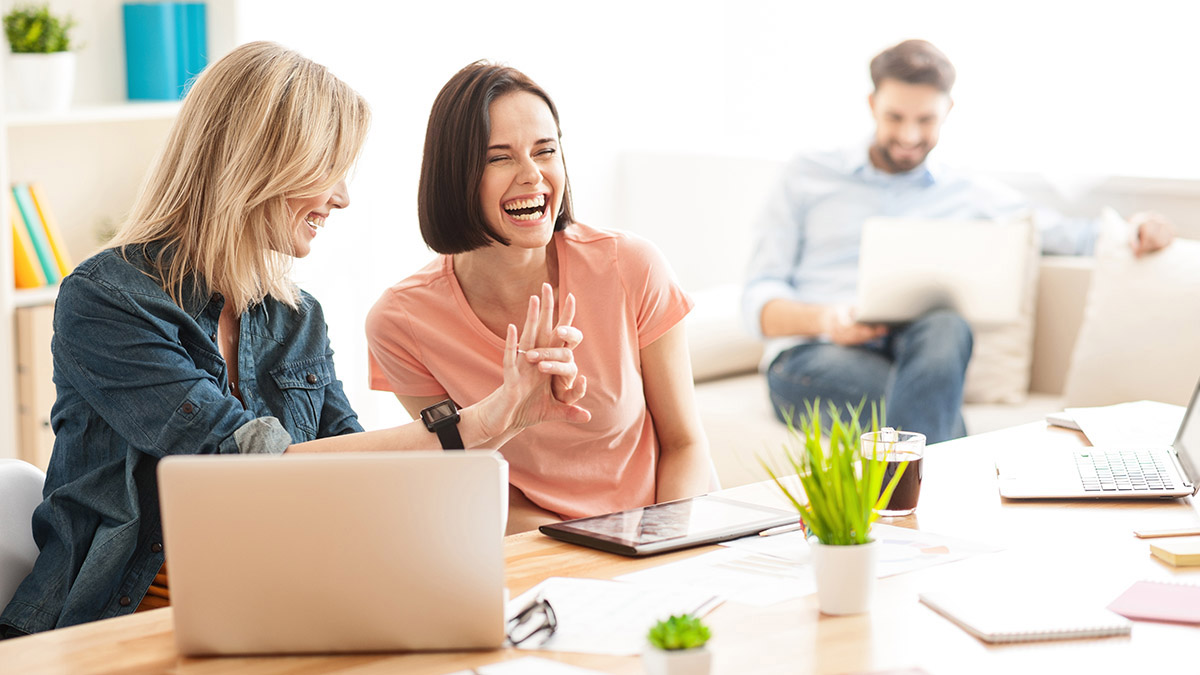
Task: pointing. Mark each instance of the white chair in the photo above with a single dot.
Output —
(20, 492)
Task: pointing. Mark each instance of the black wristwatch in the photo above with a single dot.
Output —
(442, 419)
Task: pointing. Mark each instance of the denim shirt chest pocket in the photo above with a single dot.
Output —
(302, 385)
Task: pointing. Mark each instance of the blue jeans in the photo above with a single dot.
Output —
(917, 369)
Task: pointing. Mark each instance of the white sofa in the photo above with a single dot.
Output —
(699, 210)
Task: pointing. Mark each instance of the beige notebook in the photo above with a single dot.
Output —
(1012, 619)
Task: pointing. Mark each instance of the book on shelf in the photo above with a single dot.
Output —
(28, 270)
(62, 257)
(37, 232)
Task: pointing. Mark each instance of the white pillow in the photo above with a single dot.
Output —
(717, 343)
(999, 369)
(1140, 337)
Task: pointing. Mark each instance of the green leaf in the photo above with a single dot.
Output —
(684, 631)
(842, 483)
(32, 29)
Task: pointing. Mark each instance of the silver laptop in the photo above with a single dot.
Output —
(909, 266)
(392, 551)
(1099, 472)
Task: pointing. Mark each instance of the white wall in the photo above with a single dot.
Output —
(1069, 89)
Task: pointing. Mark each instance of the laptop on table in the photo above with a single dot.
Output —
(393, 551)
(1103, 473)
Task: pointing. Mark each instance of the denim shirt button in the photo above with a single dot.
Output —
(187, 408)
(156, 547)
(125, 601)
(311, 379)
(212, 336)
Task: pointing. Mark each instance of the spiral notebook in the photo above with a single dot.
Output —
(1159, 601)
(1014, 619)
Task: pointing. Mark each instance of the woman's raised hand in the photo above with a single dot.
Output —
(555, 351)
(541, 381)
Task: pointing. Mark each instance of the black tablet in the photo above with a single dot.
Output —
(670, 526)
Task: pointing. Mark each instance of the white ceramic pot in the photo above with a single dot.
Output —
(845, 576)
(40, 82)
(677, 661)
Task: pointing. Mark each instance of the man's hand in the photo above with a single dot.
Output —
(843, 330)
(1154, 232)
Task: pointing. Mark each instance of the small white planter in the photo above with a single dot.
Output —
(845, 576)
(677, 661)
(40, 82)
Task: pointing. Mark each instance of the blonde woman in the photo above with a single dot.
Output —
(187, 335)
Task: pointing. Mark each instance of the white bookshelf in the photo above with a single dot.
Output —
(96, 114)
(89, 161)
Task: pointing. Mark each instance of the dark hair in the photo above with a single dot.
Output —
(914, 62)
(456, 142)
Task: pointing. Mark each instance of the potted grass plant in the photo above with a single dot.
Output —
(41, 67)
(840, 492)
(677, 647)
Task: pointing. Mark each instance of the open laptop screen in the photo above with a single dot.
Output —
(1187, 441)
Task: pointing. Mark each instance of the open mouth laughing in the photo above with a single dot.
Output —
(526, 209)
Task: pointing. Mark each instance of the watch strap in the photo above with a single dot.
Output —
(449, 436)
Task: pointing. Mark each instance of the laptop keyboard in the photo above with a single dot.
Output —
(1122, 470)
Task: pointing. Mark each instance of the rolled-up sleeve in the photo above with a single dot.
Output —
(780, 231)
(260, 436)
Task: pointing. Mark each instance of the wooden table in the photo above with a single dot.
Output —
(1083, 548)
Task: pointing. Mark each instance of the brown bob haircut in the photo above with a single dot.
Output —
(456, 142)
(914, 62)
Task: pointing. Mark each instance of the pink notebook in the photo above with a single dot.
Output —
(1159, 601)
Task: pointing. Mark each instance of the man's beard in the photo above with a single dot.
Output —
(880, 152)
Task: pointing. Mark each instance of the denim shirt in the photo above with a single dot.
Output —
(140, 378)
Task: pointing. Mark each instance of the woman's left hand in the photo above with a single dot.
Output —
(541, 381)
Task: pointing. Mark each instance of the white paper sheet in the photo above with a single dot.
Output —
(766, 570)
(736, 574)
(597, 616)
(1140, 424)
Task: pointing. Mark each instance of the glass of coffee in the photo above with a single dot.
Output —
(896, 448)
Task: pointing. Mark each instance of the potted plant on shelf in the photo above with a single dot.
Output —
(840, 492)
(41, 69)
(677, 647)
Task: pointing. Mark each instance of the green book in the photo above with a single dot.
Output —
(37, 233)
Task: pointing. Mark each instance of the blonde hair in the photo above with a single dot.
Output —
(260, 126)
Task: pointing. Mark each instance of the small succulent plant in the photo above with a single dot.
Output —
(679, 632)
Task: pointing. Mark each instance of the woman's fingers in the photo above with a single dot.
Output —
(510, 347)
(565, 317)
(570, 335)
(546, 322)
(528, 338)
(575, 393)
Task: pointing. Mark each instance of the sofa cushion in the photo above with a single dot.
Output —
(999, 369)
(718, 345)
(1140, 326)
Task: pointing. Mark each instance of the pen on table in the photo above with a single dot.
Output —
(790, 527)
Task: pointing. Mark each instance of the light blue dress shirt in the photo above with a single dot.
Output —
(810, 231)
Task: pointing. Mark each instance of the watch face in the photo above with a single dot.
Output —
(439, 411)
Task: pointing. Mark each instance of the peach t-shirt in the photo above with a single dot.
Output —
(426, 341)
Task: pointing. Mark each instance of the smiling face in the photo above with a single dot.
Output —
(521, 191)
(908, 118)
(309, 214)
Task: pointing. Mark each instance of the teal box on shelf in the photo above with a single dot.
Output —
(166, 47)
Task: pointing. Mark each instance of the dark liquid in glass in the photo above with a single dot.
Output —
(904, 498)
